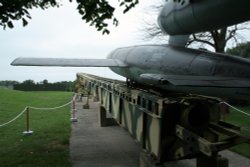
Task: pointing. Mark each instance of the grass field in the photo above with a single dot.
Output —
(241, 120)
(49, 144)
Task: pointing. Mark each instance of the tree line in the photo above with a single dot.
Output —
(31, 85)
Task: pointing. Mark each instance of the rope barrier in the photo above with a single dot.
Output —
(4, 124)
(36, 108)
(242, 112)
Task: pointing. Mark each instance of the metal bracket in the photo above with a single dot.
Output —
(195, 143)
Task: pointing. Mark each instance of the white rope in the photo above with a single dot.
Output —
(13, 118)
(236, 108)
(53, 108)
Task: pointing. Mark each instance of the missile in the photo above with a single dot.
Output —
(169, 68)
(174, 67)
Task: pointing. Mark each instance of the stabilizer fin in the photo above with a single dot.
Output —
(65, 62)
(196, 81)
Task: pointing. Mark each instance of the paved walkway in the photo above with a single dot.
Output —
(95, 146)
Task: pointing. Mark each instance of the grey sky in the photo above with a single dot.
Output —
(60, 32)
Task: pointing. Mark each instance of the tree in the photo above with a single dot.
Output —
(8, 83)
(242, 50)
(45, 82)
(30, 85)
(95, 12)
(216, 39)
(29, 82)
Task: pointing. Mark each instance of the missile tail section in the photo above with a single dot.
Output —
(192, 16)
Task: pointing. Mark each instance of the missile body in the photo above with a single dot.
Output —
(185, 70)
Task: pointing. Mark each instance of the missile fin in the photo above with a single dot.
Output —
(197, 81)
(66, 62)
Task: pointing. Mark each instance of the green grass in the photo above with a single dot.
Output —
(49, 144)
(241, 120)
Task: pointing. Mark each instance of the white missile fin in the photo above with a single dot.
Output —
(66, 62)
(198, 81)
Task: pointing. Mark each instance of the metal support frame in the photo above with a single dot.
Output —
(161, 123)
(103, 120)
(195, 143)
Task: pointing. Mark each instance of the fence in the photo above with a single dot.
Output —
(28, 108)
(74, 118)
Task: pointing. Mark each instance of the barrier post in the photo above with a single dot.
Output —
(73, 110)
(28, 132)
(86, 106)
(81, 97)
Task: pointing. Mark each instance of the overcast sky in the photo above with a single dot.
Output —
(60, 32)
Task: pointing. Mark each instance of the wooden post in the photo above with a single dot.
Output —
(28, 132)
(27, 119)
